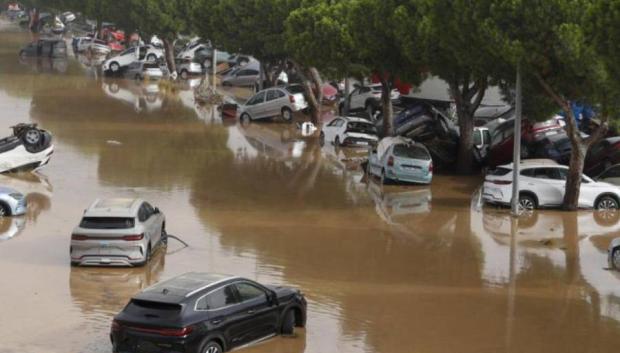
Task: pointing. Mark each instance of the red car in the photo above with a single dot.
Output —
(602, 156)
(502, 140)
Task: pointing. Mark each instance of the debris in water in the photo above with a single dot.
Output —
(114, 142)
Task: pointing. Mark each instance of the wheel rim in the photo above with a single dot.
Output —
(212, 349)
(114, 67)
(32, 136)
(2, 211)
(286, 114)
(183, 74)
(526, 204)
(607, 204)
(616, 259)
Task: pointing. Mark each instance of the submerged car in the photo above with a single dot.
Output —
(399, 159)
(140, 70)
(12, 202)
(542, 185)
(29, 148)
(276, 101)
(117, 232)
(124, 59)
(367, 98)
(349, 131)
(54, 48)
(206, 313)
(187, 68)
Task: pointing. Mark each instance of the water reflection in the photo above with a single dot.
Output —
(141, 95)
(106, 290)
(38, 192)
(45, 65)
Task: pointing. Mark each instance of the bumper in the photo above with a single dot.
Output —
(126, 341)
(495, 196)
(416, 178)
(104, 253)
(358, 142)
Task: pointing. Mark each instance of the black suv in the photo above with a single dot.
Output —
(205, 313)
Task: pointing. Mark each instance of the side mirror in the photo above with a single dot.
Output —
(272, 298)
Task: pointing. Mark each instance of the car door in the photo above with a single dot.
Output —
(225, 315)
(272, 108)
(550, 186)
(256, 104)
(331, 131)
(355, 99)
(262, 313)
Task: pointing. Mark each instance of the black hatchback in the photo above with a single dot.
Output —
(205, 313)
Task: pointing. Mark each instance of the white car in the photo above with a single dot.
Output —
(117, 232)
(349, 131)
(276, 101)
(190, 51)
(368, 98)
(122, 60)
(542, 184)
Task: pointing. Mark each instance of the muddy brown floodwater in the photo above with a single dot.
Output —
(385, 269)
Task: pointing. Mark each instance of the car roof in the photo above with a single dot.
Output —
(114, 207)
(533, 163)
(355, 119)
(177, 289)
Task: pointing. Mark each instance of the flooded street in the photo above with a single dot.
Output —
(385, 269)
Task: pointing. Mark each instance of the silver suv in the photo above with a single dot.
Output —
(277, 101)
(117, 232)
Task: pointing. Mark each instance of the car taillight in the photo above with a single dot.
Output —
(79, 237)
(291, 98)
(133, 237)
(116, 326)
(391, 161)
(169, 332)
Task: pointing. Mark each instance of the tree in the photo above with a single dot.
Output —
(320, 27)
(452, 36)
(377, 44)
(556, 45)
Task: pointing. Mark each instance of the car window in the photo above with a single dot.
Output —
(243, 73)
(613, 172)
(477, 137)
(272, 94)
(410, 151)
(248, 292)
(487, 136)
(259, 98)
(339, 123)
(129, 51)
(333, 122)
(107, 223)
(218, 299)
(528, 173)
(150, 210)
(550, 173)
(143, 213)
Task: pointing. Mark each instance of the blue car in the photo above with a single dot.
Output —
(399, 159)
(12, 202)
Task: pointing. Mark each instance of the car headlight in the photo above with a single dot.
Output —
(17, 196)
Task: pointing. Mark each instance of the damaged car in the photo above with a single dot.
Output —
(29, 148)
(399, 159)
(349, 131)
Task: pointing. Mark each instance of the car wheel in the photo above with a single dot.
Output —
(32, 137)
(151, 57)
(115, 67)
(211, 347)
(288, 325)
(287, 115)
(526, 203)
(4, 210)
(184, 74)
(322, 139)
(606, 203)
(164, 235)
(615, 259)
(245, 119)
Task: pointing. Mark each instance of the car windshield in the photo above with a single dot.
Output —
(168, 311)
(363, 128)
(411, 151)
(107, 223)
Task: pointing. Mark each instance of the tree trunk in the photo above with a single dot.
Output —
(169, 54)
(573, 182)
(347, 100)
(386, 106)
(316, 94)
(465, 154)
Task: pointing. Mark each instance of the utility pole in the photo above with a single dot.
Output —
(516, 154)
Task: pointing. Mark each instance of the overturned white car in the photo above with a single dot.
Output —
(28, 149)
